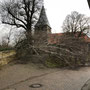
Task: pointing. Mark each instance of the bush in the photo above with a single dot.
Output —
(5, 48)
(23, 49)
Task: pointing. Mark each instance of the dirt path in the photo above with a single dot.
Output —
(15, 74)
(20, 77)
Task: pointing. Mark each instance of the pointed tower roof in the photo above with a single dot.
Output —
(42, 19)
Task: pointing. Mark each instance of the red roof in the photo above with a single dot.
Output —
(55, 38)
(87, 39)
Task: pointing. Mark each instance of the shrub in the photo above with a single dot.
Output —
(23, 49)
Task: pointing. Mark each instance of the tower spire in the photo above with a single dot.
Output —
(42, 27)
(43, 20)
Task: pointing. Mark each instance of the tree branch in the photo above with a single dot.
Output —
(14, 24)
(16, 17)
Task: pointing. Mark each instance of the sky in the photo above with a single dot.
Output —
(57, 10)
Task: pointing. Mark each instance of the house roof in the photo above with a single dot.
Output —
(55, 38)
(43, 20)
(87, 39)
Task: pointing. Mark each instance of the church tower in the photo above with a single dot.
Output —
(42, 26)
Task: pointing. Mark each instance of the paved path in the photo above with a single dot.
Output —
(20, 77)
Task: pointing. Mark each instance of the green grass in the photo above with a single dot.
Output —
(50, 64)
(5, 49)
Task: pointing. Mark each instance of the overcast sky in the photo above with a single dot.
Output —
(57, 10)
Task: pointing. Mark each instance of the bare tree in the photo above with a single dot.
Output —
(76, 22)
(6, 39)
(8, 36)
(4, 42)
(70, 51)
(21, 13)
(18, 37)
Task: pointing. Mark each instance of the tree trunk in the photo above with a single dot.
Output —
(29, 36)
